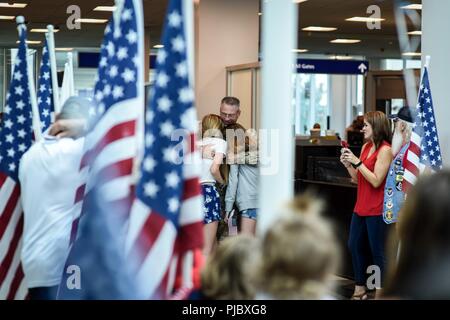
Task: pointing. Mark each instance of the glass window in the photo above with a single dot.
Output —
(413, 64)
(311, 96)
(393, 64)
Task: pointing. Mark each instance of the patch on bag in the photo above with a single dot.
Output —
(389, 204)
(389, 215)
(389, 192)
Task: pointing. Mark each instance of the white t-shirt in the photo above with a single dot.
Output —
(49, 177)
(219, 146)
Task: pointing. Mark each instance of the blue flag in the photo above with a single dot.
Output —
(17, 125)
(45, 92)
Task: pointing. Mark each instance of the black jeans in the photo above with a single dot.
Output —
(362, 230)
(43, 293)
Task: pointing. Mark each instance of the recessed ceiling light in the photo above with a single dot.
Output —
(63, 49)
(337, 57)
(364, 19)
(345, 41)
(43, 30)
(31, 41)
(300, 50)
(105, 8)
(158, 46)
(414, 6)
(88, 20)
(12, 5)
(415, 33)
(7, 17)
(299, 1)
(319, 29)
(412, 54)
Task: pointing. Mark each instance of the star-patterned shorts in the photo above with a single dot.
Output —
(211, 204)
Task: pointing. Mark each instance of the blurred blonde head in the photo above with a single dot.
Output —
(299, 254)
(227, 274)
(212, 126)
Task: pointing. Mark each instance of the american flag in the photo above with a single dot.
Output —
(16, 134)
(99, 255)
(424, 150)
(165, 228)
(44, 92)
(112, 144)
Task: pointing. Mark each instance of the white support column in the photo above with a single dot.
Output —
(340, 98)
(435, 24)
(277, 146)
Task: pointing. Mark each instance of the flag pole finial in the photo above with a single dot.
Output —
(427, 61)
(20, 20)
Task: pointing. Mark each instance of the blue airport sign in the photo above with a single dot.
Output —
(358, 67)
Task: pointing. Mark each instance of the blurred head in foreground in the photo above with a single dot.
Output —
(299, 254)
(227, 274)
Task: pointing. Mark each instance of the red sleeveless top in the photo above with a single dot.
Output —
(369, 201)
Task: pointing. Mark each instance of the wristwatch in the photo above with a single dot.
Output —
(357, 165)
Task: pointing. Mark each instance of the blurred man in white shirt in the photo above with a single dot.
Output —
(49, 177)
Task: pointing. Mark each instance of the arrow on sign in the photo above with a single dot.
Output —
(362, 67)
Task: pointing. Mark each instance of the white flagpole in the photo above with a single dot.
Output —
(20, 20)
(51, 51)
(188, 14)
(70, 77)
(188, 8)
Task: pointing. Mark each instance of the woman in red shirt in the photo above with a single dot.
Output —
(369, 171)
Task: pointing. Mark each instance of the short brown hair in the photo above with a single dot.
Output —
(242, 145)
(380, 127)
(232, 101)
(238, 142)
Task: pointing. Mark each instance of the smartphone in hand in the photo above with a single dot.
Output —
(344, 145)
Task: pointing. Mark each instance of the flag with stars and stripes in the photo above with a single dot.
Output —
(166, 222)
(424, 151)
(112, 144)
(110, 149)
(45, 91)
(16, 135)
